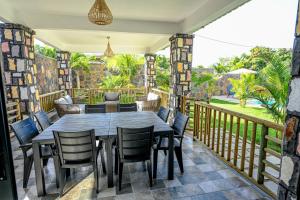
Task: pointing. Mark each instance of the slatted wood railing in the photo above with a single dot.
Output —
(13, 113)
(47, 100)
(246, 143)
(96, 95)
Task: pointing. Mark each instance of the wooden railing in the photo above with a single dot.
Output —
(96, 95)
(187, 108)
(164, 96)
(13, 113)
(246, 143)
(47, 100)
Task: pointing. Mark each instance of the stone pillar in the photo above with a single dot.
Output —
(64, 71)
(289, 186)
(17, 43)
(181, 52)
(150, 71)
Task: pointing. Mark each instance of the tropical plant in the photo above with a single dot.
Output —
(45, 50)
(126, 65)
(272, 86)
(163, 72)
(206, 80)
(79, 62)
(116, 81)
(242, 87)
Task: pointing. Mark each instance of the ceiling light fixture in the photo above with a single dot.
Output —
(100, 14)
(108, 52)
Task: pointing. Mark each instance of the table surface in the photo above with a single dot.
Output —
(105, 124)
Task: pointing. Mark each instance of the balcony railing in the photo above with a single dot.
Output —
(246, 143)
(13, 113)
(47, 100)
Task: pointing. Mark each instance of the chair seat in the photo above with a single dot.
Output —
(165, 143)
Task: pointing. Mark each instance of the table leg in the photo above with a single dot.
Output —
(171, 157)
(38, 168)
(109, 164)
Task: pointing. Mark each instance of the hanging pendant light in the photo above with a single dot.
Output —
(100, 14)
(108, 52)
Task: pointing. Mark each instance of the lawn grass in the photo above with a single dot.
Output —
(252, 111)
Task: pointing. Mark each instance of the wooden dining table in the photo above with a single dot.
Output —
(105, 126)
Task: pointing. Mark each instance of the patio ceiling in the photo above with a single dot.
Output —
(138, 26)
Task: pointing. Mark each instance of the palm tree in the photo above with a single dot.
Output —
(127, 65)
(272, 87)
(79, 62)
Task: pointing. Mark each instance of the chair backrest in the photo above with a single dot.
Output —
(25, 130)
(180, 123)
(111, 96)
(76, 147)
(69, 99)
(163, 113)
(135, 144)
(130, 107)
(101, 108)
(42, 119)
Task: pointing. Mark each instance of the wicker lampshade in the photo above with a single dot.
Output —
(108, 52)
(100, 14)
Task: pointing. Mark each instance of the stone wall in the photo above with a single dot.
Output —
(17, 46)
(289, 186)
(47, 74)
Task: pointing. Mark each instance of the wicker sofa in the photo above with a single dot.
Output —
(65, 105)
(151, 102)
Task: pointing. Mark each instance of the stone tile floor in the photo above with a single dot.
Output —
(205, 178)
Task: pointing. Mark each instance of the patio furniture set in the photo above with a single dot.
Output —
(77, 138)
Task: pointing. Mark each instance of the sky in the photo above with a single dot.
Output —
(269, 23)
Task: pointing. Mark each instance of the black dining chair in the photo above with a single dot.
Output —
(100, 108)
(43, 120)
(134, 145)
(163, 113)
(25, 131)
(179, 126)
(75, 150)
(129, 107)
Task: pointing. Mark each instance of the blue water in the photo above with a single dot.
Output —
(257, 102)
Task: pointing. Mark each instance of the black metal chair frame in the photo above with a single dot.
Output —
(25, 131)
(129, 107)
(163, 113)
(134, 145)
(179, 126)
(99, 108)
(43, 120)
(75, 150)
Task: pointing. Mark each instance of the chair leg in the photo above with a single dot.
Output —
(62, 179)
(165, 152)
(45, 162)
(96, 175)
(149, 167)
(178, 153)
(56, 166)
(103, 161)
(116, 161)
(28, 161)
(155, 157)
(120, 174)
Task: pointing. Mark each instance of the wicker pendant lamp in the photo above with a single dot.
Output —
(108, 52)
(100, 14)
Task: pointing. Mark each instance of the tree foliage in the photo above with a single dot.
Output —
(79, 61)
(163, 72)
(242, 87)
(46, 51)
(206, 80)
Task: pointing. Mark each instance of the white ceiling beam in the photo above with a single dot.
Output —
(66, 22)
(210, 14)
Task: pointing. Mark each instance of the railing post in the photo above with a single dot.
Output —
(262, 154)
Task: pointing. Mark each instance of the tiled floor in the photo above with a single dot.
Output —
(205, 178)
